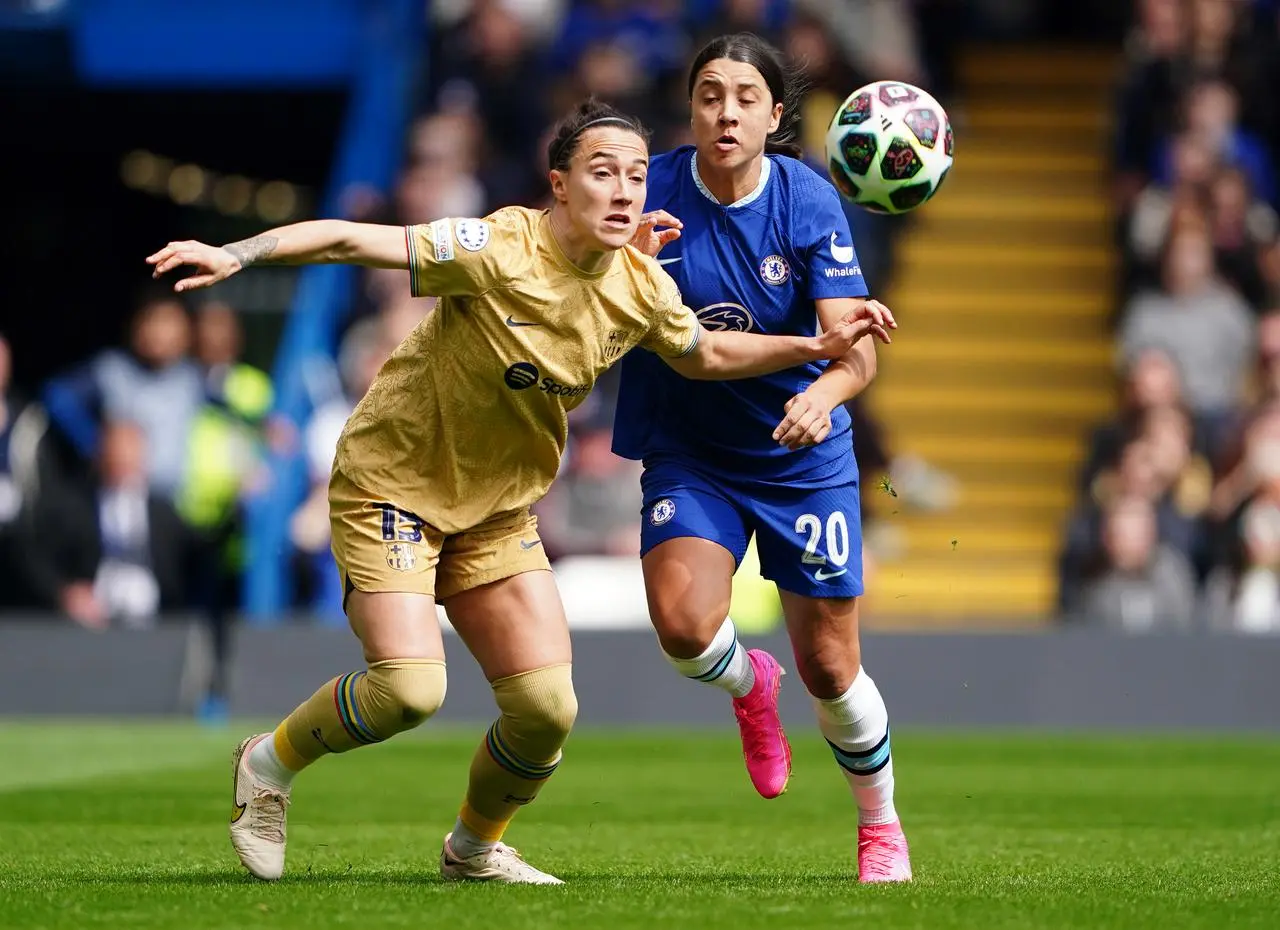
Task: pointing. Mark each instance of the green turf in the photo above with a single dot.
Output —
(125, 827)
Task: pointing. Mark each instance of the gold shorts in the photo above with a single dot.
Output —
(380, 547)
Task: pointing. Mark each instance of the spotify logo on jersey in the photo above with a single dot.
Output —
(521, 375)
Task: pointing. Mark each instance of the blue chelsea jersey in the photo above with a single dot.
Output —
(756, 265)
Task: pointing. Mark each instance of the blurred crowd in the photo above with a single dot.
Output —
(124, 479)
(1178, 521)
(121, 479)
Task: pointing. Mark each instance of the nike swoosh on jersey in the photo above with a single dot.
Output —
(669, 261)
(530, 545)
(512, 322)
(823, 575)
(841, 253)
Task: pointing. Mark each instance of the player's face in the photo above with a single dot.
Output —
(604, 189)
(732, 114)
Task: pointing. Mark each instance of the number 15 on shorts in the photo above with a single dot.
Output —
(836, 532)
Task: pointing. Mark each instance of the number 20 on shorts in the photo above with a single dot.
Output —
(837, 529)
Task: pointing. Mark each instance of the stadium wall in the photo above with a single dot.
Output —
(1055, 679)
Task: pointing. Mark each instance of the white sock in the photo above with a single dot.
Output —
(466, 844)
(724, 663)
(267, 767)
(856, 725)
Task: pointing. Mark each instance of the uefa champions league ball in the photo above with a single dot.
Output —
(889, 147)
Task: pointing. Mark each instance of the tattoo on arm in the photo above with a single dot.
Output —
(255, 251)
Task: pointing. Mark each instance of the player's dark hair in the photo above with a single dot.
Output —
(588, 114)
(785, 84)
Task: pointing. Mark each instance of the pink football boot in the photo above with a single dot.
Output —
(882, 853)
(764, 745)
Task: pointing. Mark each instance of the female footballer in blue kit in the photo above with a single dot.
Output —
(757, 241)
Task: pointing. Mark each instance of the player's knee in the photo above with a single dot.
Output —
(686, 627)
(404, 693)
(539, 708)
(828, 673)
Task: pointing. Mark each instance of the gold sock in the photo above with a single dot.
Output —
(361, 708)
(521, 749)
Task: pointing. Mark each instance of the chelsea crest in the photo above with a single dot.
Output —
(775, 270)
(662, 511)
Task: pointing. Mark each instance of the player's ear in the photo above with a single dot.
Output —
(559, 183)
(776, 119)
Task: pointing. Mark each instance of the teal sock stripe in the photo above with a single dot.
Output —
(720, 667)
(867, 762)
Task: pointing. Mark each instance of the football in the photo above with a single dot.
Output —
(889, 147)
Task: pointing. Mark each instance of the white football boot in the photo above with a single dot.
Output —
(500, 864)
(257, 817)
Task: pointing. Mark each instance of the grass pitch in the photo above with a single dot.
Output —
(125, 827)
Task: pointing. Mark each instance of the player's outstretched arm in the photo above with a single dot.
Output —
(808, 414)
(315, 242)
(724, 356)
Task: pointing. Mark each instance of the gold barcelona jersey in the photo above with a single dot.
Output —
(468, 419)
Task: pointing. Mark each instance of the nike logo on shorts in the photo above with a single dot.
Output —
(823, 575)
(530, 545)
(511, 322)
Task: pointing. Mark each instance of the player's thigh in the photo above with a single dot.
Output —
(497, 587)
(387, 561)
(395, 625)
(810, 540)
(693, 536)
(824, 640)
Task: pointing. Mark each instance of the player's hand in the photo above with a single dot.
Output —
(807, 423)
(648, 239)
(871, 318)
(212, 264)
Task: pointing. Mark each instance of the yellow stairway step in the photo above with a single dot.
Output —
(1085, 118)
(1064, 470)
(1000, 162)
(1028, 425)
(991, 276)
(941, 229)
(927, 299)
(977, 448)
(1048, 67)
(1085, 260)
(996, 586)
(947, 398)
(997, 349)
(991, 206)
(934, 535)
(963, 182)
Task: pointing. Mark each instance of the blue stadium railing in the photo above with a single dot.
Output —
(368, 155)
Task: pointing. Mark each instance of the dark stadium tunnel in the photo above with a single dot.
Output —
(73, 269)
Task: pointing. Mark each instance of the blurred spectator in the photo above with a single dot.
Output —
(488, 64)
(117, 554)
(1151, 381)
(1144, 585)
(365, 348)
(153, 384)
(1253, 593)
(1136, 474)
(594, 505)
(25, 471)
(1149, 92)
(1242, 229)
(1211, 118)
(1160, 210)
(1204, 326)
